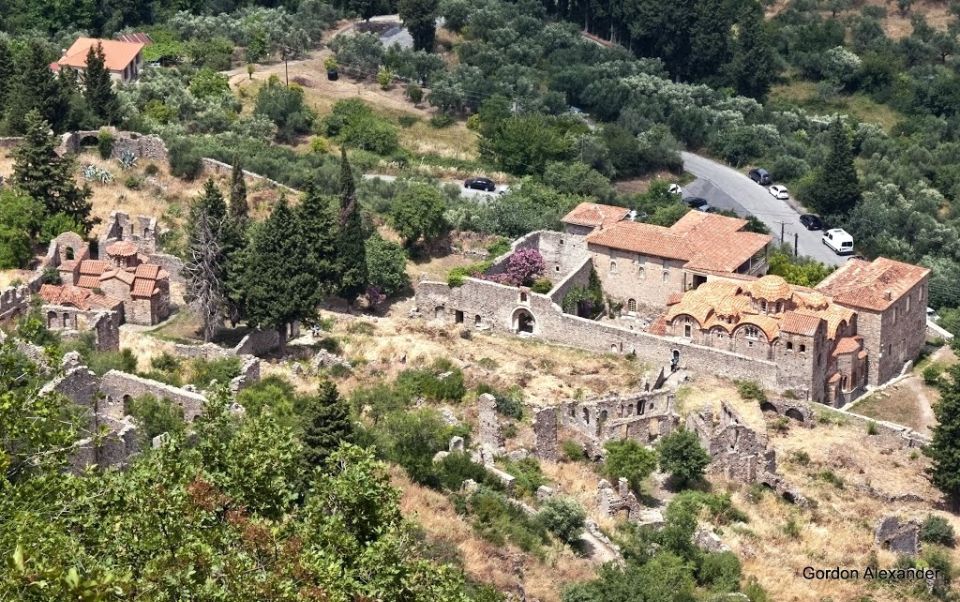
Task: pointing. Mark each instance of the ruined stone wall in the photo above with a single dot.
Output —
(644, 417)
(10, 141)
(141, 231)
(499, 307)
(214, 167)
(116, 385)
(579, 276)
(14, 300)
(72, 322)
(561, 253)
(249, 374)
(257, 342)
(172, 264)
(143, 146)
(545, 425)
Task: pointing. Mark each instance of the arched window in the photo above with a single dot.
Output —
(666, 275)
(613, 267)
(69, 253)
(632, 305)
(586, 415)
(641, 273)
(751, 332)
(687, 329)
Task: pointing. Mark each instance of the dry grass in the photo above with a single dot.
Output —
(484, 561)
(907, 403)
(8, 277)
(895, 25)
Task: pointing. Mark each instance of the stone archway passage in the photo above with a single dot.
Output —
(523, 321)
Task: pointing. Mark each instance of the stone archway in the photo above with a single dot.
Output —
(523, 321)
(795, 414)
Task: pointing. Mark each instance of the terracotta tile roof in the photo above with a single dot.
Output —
(695, 308)
(138, 37)
(802, 324)
(93, 267)
(148, 271)
(75, 296)
(658, 326)
(768, 324)
(595, 214)
(834, 315)
(88, 282)
(116, 54)
(143, 287)
(872, 285)
(705, 241)
(645, 239)
(674, 298)
(771, 288)
(847, 345)
(122, 248)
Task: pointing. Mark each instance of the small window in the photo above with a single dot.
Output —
(642, 273)
(586, 415)
(751, 332)
(789, 346)
(908, 302)
(477, 320)
(561, 241)
(556, 269)
(666, 275)
(613, 267)
(523, 297)
(458, 317)
(687, 330)
(631, 305)
(803, 348)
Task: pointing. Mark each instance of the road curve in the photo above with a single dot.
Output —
(756, 200)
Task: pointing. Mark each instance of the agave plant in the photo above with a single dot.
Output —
(127, 160)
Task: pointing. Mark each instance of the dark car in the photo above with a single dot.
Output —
(761, 176)
(480, 184)
(811, 221)
(695, 202)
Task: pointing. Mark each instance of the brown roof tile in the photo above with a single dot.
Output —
(847, 345)
(645, 239)
(122, 248)
(872, 285)
(88, 281)
(143, 287)
(595, 214)
(93, 267)
(75, 296)
(147, 270)
(802, 324)
(116, 55)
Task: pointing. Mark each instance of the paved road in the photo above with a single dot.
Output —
(481, 196)
(727, 188)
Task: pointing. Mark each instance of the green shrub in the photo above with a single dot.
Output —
(931, 374)
(133, 182)
(102, 362)
(936, 529)
(414, 93)
(361, 327)
(457, 467)
(157, 416)
(872, 428)
(749, 389)
(105, 144)
(682, 456)
(407, 120)
(185, 159)
(457, 275)
(378, 400)
(572, 450)
(831, 477)
(441, 120)
(792, 528)
(720, 571)
(563, 517)
(509, 403)
(500, 247)
(151, 169)
(499, 521)
(528, 475)
(630, 460)
(353, 123)
(542, 286)
(223, 370)
(441, 382)
(411, 439)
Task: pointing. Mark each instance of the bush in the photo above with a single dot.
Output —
(285, 107)
(157, 416)
(441, 382)
(457, 275)
(542, 286)
(411, 439)
(509, 403)
(931, 374)
(441, 120)
(185, 160)
(528, 475)
(749, 389)
(204, 371)
(457, 467)
(353, 123)
(499, 521)
(628, 459)
(414, 93)
(102, 362)
(151, 169)
(105, 144)
(936, 529)
(720, 571)
(407, 120)
(831, 477)
(682, 456)
(133, 182)
(563, 517)
(572, 450)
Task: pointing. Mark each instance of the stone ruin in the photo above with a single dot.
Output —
(491, 436)
(899, 536)
(644, 417)
(545, 433)
(788, 408)
(141, 231)
(618, 502)
(739, 452)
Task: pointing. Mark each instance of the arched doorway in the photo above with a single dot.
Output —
(675, 360)
(523, 321)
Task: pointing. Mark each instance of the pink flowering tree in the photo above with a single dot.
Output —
(523, 267)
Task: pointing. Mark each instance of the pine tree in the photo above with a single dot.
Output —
(36, 88)
(7, 72)
(98, 87)
(47, 177)
(328, 425)
(753, 68)
(351, 243)
(235, 242)
(278, 277)
(944, 448)
(319, 221)
(204, 269)
(835, 190)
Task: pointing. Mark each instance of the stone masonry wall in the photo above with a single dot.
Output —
(499, 307)
(117, 385)
(545, 432)
(214, 167)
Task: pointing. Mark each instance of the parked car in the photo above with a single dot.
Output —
(779, 191)
(675, 189)
(839, 240)
(811, 221)
(480, 183)
(695, 202)
(761, 176)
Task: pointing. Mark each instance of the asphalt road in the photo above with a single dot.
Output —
(481, 196)
(727, 188)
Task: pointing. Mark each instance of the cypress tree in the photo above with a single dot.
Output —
(205, 268)
(7, 71)
(753, 67)
(35, 87)
(318, 218)
(98, 87)
(835, 190)
(944, 448)
(47, 177)
(278, 278)
(328, 425)
(351, 242)
(234, 243)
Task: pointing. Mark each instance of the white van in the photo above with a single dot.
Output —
(839, 240)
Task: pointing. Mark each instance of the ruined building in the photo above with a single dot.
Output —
(695, 295)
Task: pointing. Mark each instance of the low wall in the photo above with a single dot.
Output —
(212, 166)
(887, 433)
(172, 264)
(116, 385)
(498, 306)
(10, 141)
(14, 300)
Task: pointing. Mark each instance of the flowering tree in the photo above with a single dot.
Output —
(523, 267)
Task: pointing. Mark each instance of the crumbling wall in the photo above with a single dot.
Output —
(491, 436)
(214, 167)
(619, 502)
(14, 301)
(118, 387)
(545, 433)
(901, 537)
(141, 231)
(249, 374)
(644, 416)
(793, 409)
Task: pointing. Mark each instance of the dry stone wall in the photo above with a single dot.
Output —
(117, 385)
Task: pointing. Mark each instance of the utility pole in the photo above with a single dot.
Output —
(782, 240)
(286, 69)
(796, 244)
